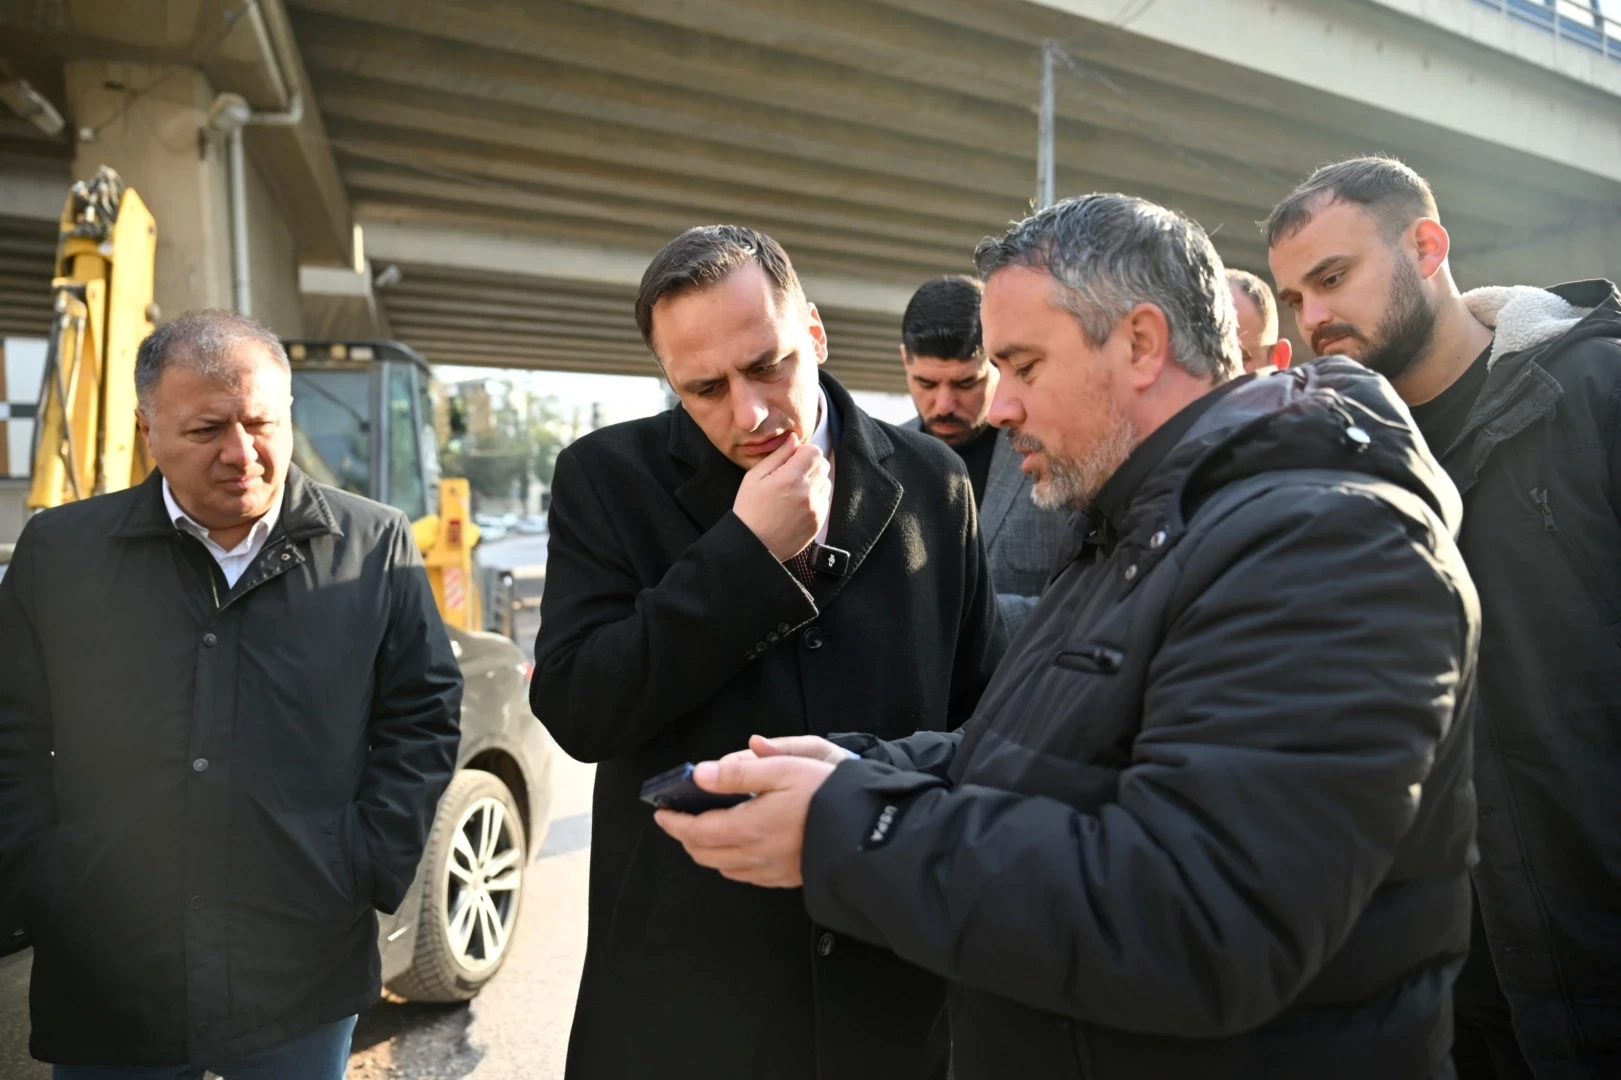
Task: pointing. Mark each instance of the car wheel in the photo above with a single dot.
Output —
(472, 889)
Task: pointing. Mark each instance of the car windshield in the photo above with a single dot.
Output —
(331, 435)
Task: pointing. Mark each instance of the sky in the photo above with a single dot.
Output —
(630, 397)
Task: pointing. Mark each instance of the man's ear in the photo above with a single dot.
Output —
(1148, 335)
(1431, 244)
(1281, 354)
(818, 332)
(143, 425)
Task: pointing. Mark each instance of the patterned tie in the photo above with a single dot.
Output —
(801, 567)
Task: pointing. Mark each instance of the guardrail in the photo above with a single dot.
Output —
(1581, 22)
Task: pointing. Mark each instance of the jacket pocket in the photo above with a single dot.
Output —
(352, 862)
(1093, 658)
(1580, 568)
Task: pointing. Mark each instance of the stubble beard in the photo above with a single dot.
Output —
(1072, 483)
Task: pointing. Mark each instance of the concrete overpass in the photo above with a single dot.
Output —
(519, 163)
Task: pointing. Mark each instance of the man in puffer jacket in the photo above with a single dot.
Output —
(1212, 817)
(1518, 392)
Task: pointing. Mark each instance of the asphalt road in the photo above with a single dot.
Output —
(517, 1029)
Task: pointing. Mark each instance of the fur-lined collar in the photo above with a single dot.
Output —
(1521, 316)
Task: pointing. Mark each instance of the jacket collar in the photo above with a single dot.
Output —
(304, 510)
(865, 494)
(1528, 325)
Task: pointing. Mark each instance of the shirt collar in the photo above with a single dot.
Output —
(257, 534)
(822, 437)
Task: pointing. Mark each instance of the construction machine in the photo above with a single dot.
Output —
(361, 422)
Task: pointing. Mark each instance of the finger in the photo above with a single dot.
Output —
(811, 746)
(759, 747)
(744, 755)
(746, 777)
(778, 457)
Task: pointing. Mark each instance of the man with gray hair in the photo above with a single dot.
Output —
(1212, 817)
(228, 708)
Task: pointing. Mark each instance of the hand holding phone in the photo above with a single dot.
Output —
(677, 790)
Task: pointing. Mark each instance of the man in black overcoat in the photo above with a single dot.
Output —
(764, 558)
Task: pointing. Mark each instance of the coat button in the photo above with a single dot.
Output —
(824, 944)
(201, 1027)
(1157, 541)
(773, 637)
(783, 628)
(200, 765)
(210, 640)
(812, 637)
(1131, 572)
(286, 556)
(195, 903)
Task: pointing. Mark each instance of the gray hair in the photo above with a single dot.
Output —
(1108, 253)
(202, 341)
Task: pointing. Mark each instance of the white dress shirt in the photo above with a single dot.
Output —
(236, 561)
(822, 439)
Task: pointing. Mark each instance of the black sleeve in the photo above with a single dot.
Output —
(1290, 720)
(929, 752)
(27, 800)
(617, 661)
(415, 726)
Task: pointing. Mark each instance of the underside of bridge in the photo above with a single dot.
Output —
(519, 163)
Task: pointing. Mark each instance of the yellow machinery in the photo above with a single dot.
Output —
(377, 442)
(87, 442)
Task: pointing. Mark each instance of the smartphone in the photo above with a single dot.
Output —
(676, 790)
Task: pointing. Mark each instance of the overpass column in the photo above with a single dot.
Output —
(158, 141)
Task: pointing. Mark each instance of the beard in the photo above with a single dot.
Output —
(1071, 483)
(951, 429)
(1404, 332)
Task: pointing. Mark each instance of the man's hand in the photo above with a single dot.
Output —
(759, 842)
(785, 498)
(806, 746)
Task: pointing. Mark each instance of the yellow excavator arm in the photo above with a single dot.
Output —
(88, 443)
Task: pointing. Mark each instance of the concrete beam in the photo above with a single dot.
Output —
(1432, 79)
(35, 196)
(463, 249)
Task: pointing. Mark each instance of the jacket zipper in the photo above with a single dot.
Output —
(1573, 558)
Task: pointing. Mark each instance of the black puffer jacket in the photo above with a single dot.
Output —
(1213, 815)
(1539, 466)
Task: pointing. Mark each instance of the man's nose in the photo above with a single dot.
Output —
(748, 411)
(1005, 408)
(944, 402)
(1311, 315)
(238, 449)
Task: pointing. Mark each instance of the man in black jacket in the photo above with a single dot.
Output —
(228, 708)
(1212, 816)
(763, 558)
(1518, 392)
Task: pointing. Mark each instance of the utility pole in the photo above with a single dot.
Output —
(1044, 129)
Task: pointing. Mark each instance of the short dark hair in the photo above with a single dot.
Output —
(201, 340)
(1106, 253)
(1387, 188)
(942, 319)
(708, 255)
(1260, 294)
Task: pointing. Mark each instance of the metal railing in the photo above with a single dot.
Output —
(1581, 22)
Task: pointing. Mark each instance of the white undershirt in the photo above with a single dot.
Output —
(822, 439)
(233, 563)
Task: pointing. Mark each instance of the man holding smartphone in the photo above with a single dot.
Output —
(763, 558)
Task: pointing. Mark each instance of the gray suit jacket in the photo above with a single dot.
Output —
(1021, 540)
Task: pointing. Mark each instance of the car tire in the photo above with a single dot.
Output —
(472, 891)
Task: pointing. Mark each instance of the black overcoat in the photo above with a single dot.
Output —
(670, 634)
